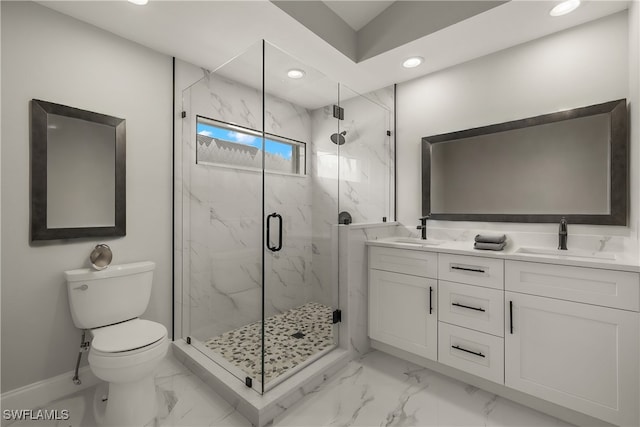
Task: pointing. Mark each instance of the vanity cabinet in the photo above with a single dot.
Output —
(403, 307)
(562, 333)
(579, 355)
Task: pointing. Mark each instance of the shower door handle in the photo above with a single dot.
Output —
(279, 232)
(279, 217)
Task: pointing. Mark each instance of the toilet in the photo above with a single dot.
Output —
(125, 350)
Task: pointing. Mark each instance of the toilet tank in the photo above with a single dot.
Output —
(115, 294)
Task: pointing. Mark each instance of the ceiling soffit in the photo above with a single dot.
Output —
(400, 23)
(358, 13)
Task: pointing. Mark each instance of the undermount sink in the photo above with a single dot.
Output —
(566, 253)
(413, 241)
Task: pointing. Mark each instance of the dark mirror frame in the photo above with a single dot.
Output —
(618, 168)
(40, 111)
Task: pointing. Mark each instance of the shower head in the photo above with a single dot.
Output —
(338, 138)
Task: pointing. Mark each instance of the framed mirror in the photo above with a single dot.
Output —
(78, 173)
(571, 163)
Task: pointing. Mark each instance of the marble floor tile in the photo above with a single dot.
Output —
(183, 401)
(382, 390)
(375, 390)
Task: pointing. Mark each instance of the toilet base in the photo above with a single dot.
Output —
(130, 404)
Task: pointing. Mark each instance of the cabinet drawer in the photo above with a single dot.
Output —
(617, 289)
(473, 270)
(416, 263)
(471, 351)
(472, 307)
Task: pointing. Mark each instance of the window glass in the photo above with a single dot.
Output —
(224, 144)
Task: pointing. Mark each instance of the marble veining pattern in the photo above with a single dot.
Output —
(222, 212)
(374, 390)
(381, 390)
(290, 339)
(536, 235)
(223, 216)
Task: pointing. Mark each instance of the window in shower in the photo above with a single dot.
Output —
(223, 144)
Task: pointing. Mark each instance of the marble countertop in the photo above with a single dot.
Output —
(623, 261)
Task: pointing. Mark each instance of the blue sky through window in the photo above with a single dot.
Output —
(273, 147)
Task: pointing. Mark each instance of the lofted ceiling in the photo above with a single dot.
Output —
(210, 33)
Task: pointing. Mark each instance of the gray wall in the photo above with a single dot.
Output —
(49, 56)
(634, 112)
(580, 66)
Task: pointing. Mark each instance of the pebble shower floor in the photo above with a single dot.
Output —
(290, 338)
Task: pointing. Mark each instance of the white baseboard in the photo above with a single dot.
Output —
(41, 393)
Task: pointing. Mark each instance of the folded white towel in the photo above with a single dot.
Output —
(489, 246)
(491, 238)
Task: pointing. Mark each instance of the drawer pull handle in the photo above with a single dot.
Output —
(469, 307)
(477, 353)
(474, 270)
(430, 300)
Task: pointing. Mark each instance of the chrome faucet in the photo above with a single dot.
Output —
(423, 226)
(562, 234)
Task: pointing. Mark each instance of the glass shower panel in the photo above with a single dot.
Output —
(300, 206)
(222, 215)
(366, 165)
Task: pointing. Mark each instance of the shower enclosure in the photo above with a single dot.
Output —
(263, 183)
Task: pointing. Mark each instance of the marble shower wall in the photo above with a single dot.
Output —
(222, 214)
(365, 166)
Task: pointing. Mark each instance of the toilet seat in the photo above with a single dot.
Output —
(127, 338)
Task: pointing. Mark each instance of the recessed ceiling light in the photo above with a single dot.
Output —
(564, 7)
(139, 2)
(294, 73)
(412, 62)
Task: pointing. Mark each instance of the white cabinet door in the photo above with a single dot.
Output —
(402, 312)
(576, 355)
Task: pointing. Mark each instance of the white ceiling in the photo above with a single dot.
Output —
(358, 13)
(210, 33)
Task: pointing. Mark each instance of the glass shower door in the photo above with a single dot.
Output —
(366, 157)
(260, 168)
(300, 216)
(222, 215)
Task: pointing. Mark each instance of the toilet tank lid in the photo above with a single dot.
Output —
(126, 336)
(83, 274)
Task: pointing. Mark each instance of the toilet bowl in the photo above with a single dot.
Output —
(126, 356)
(125, 350)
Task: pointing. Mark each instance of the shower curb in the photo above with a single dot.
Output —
(260, 409)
